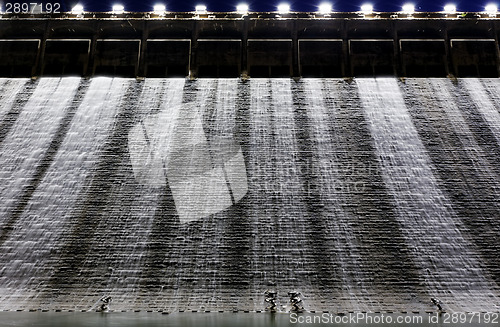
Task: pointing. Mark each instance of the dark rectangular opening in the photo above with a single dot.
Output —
(260, 71)
(270, 58)
(474, 58)
(219, 58)
(116, 57)
(66, 57)
(372, 57)
(422, 58)
(218, 71)
(167, 58)
(320, 58)
(18, 57)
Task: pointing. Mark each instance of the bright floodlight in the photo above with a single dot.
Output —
(77, 9)
(283, 8)
(367, 8)
(200, 8)
(242, 8)
(408, 8)
(450, 8)
(118, 9)
(491, 9)
(325, 8)
(159, 9)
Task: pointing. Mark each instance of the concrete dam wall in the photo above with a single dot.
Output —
(180, 195)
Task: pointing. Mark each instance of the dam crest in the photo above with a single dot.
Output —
(260, 45)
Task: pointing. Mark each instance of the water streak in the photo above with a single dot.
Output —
(9, 88)
(450, 265)
(30, 137)
(36, 237)
(333, 192)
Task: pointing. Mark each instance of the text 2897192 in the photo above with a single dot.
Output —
(32, 7)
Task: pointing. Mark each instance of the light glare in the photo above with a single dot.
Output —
(450, 8)
(367, 8)
(118, 9)
(325, 8)
(200, 8)
(408, 8)
(491, 8)
(159, 8)
(77, 9)
(242, 8)
(283, 8)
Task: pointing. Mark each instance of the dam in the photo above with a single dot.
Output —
(189, 163)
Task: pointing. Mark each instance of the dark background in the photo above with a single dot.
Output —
(261, 5)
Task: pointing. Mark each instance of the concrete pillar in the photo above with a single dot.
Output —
(450, 66)
(92, 52)
(141, 65)
(244, 48)
(193, 52)
(346, 69)
(447, 52)
(497, 44)
(38, 68)
(397, 61)
(295, 51)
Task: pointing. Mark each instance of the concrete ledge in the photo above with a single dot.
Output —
(254, 45)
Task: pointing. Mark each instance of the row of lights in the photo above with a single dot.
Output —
(409, 8)
(283, 8)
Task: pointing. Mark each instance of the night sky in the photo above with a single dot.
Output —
(261, 5)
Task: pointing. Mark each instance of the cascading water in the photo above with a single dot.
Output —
(169, 194)
(8, 91)
(493, 89)
(37, 234)
(450, 265)
(281, 253)
(464, 155)
(440, 103)
(332, 190)
(484, 105)
(22, 155)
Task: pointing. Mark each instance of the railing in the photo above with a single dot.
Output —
(252, 15)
